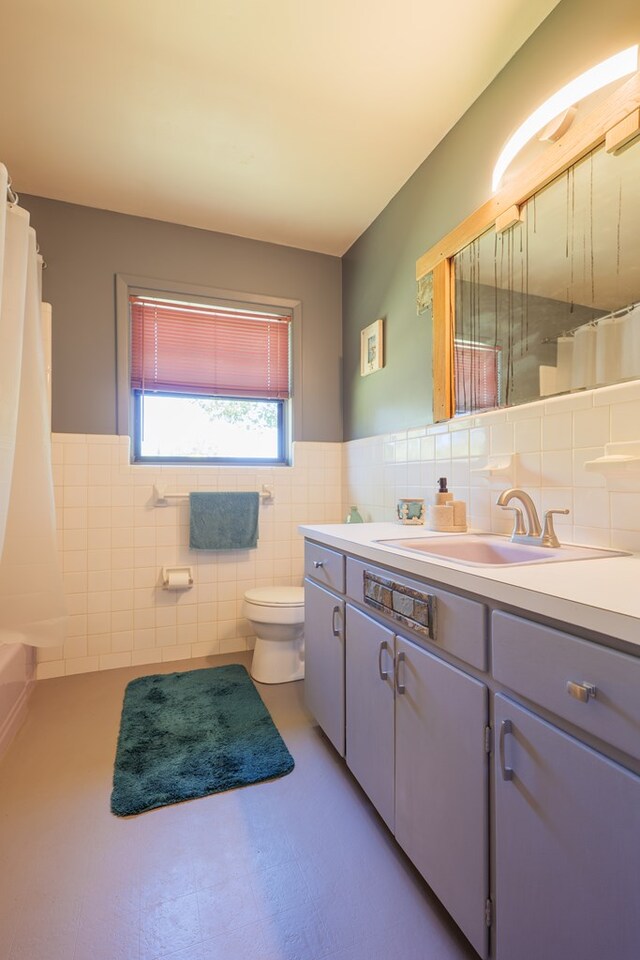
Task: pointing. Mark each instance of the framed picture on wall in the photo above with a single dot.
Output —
(371, 348)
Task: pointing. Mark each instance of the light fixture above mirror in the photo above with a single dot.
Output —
(621, 65)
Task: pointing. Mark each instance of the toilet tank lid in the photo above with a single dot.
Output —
(276, 596)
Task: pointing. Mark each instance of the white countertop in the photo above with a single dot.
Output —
(597, 594)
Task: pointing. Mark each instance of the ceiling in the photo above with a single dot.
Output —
(291, 121)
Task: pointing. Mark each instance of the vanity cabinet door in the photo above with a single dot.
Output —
(567, 832)
(370, 709)
(324, 660)
(442, 783)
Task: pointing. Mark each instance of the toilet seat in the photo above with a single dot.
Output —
(276, 596)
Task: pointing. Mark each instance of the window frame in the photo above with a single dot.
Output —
(290, 414)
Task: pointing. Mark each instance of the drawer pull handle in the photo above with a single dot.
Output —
(384, 674)
(318, 563)
(581, 691)
(400, 687)
(505, 728)
(335, 630)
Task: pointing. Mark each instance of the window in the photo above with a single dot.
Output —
(209, 382)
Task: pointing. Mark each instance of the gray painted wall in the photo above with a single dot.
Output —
(84, 250)
(379, 269)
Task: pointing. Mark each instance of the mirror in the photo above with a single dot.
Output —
(547, 305)
(538, 292)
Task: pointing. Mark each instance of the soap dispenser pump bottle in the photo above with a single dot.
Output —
(443, 495)
(354, 516)
(447, 515)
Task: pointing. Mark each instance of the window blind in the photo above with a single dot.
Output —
(198, 349)
(477, 376)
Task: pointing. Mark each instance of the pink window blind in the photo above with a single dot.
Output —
(197, 349)
(477, 376)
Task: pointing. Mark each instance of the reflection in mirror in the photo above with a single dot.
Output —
(551, 304)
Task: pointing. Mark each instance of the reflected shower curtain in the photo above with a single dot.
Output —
(31, 597)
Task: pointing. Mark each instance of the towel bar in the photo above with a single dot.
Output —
(161, 498)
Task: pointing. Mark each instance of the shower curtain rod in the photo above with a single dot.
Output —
(614, 315)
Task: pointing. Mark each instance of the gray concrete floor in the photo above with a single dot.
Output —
(300, 868)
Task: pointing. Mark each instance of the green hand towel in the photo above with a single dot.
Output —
(223, 521)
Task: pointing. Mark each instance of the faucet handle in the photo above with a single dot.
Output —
(549, 538)
(519, 528)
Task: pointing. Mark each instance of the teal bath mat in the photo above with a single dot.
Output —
(187, 735)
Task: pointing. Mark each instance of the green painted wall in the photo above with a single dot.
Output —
(379, 269)
(85, 248)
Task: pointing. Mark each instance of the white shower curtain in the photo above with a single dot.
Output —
(31, 598)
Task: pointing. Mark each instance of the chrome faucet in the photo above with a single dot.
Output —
(533, 532)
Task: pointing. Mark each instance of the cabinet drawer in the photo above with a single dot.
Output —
(540, 663)
(459, 623)
(324, 565)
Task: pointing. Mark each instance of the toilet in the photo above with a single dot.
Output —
(277, 617)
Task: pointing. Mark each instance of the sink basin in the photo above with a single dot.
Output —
(492, 550)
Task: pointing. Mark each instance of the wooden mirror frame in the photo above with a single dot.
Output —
(615, 122)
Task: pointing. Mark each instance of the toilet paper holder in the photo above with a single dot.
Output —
(177, 578)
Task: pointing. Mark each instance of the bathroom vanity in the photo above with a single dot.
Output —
(492, 716)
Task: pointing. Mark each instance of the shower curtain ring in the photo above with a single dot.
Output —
(12, 196)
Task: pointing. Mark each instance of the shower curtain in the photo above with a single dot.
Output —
(31, 597)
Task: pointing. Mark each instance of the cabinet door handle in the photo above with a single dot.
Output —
(384, 674)
(318, 563)
(400, 687)
(581, 691)
(336, 630)
(505, 728)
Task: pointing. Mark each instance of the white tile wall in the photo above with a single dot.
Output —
(549, 441)
(113, 543)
